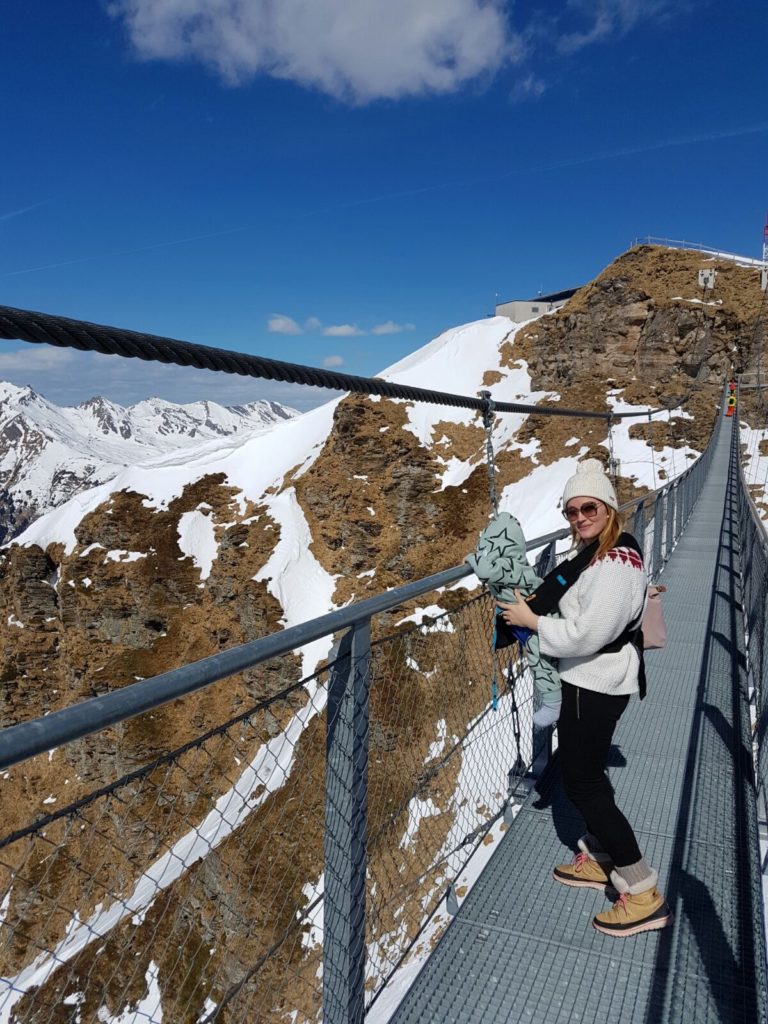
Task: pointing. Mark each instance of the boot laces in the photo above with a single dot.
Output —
(580, 860)
(621, 902)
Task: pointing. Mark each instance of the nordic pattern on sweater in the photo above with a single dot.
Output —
(500, 561)
(606, 598)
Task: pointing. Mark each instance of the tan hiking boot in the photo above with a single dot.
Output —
(639, 908)
(587, 870)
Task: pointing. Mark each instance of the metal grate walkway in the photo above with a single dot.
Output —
(522, 947)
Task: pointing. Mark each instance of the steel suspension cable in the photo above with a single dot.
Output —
(64, 332)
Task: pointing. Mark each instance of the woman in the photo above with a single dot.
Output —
(606, 598)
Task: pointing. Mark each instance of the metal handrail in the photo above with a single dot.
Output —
(20, 742)
(681, 243)
(754, 569)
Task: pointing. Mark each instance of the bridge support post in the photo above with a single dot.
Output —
(658, 533)
(638, 526)
(346, 816)
(670, 516)
(687, 498)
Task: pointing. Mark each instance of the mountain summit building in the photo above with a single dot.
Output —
(524, 309)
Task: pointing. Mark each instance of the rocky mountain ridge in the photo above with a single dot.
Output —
(49, 453)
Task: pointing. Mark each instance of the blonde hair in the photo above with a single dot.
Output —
(608, 535)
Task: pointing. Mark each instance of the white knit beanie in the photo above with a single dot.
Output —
(590, 481)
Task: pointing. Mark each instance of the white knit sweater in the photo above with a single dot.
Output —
(607, 597)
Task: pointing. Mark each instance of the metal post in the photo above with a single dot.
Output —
(546, 560)
(638, 526)
(670, 517)
(658, 531)
(346, 815)
(686, 499)
(541, 750)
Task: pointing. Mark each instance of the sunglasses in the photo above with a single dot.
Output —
(588, 509)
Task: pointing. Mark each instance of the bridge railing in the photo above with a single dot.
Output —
(681, 243)
(281, 865)
(753, 539)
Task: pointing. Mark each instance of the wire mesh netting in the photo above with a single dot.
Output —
(658, 521)
(182, 892)
(753, 540)
(753, 435)
(444, 760)
(192, 889)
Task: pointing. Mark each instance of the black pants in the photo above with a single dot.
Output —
(585, 730)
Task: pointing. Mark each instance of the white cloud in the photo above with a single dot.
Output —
(611, 19)
(529, 87)
(390, 327)
(279, 324)
(312, 324)
(342, 331)
(331, 361)
(21, 367)
(377, 49)
(68, 377)
(359, 51)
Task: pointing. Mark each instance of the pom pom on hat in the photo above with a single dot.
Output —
(590, 481)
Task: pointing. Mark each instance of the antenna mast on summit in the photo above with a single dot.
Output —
(765, 241)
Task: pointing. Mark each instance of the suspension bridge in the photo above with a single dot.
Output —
(225, 881)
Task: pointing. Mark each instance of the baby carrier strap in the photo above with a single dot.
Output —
(547, 596)
(633, 632)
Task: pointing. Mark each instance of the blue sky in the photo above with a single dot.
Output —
(335, 184)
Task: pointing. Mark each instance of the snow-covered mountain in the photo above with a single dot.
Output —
(49, 453)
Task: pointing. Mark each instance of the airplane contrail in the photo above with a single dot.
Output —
(553, 165)
(23, 209)
(127, 252)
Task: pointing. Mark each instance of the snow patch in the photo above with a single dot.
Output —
(119, 555)
(208, 1009)
(436, 748)
(197, 539)
(431, 611)
(418, 811)
(295, 577)
(147, 1011)
(312, 891)
(6, 900)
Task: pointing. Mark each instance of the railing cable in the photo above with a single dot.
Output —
(488, 410)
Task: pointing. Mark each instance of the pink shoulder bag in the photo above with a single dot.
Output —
(654, 627)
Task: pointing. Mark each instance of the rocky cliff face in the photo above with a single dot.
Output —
(180, 562)
(645, 327)
(48, 453)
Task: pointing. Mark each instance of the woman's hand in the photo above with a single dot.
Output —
(518, 613)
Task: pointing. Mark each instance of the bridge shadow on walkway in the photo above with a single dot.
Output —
(522, 947)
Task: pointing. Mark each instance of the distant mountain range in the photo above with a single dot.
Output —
(49, 453)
